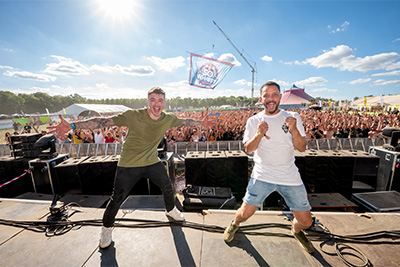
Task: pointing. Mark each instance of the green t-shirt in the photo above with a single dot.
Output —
(140, 146)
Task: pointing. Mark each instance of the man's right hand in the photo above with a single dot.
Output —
(60, 129)
(262, 127)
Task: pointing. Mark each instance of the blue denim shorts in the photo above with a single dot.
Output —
(295, 195)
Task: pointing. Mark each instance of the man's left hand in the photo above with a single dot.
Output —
(291, 123)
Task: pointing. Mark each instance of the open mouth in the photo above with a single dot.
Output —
(271, 105)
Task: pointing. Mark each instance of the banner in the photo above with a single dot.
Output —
(207, 72)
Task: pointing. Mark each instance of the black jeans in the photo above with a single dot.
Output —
(126, 178)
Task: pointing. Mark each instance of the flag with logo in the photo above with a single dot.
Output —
(207, 72)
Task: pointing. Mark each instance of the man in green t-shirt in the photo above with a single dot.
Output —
(139, 156)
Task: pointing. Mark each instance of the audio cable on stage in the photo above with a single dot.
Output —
(64, 225)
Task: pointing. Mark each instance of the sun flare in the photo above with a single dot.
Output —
(117, 9)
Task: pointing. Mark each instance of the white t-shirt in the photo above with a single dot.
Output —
(274, 157)
(98, 138)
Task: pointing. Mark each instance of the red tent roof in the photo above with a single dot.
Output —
(295, 97)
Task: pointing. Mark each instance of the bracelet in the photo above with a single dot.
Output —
(259, 133)
(72, 126)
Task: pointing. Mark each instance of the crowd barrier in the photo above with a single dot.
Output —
(84, 150)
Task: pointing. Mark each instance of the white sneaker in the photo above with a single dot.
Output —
(176, 215)
(105, 237)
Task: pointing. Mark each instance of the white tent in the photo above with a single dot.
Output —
(389, 101)
(92, 110)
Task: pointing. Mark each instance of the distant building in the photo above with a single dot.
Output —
(295, 97)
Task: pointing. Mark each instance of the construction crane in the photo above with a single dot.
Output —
(253, 68)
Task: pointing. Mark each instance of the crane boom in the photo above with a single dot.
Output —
(253, 70)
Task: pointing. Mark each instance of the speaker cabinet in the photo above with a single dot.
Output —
(11, 168)
(341, 167)
(195, 168)
(216, 168)
(67, 173)
(388, 177)
(44, 176)
(237, 172)
(93, 180)
(365, 170)
(316, 172)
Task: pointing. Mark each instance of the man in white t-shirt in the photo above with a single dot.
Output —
(273, 135)
(98, 136)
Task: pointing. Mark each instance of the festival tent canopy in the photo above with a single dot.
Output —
(295, 97)
(392, 101)
(92, 110)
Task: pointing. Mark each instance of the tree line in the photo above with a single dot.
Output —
(35, 103)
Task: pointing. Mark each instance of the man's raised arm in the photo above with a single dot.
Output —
(194, 123)
(93, 123)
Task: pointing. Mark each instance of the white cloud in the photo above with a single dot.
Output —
(229, 58)
(384, 82)
(167, 64)
(133, 70)
(67, 66)
(107, 69)
(361, 80)
(342, 57)
(210, 55)
(266, 58)
(393, 66)
(242, 82)
(395, 40)
(9, 50)
(296, 62)
(342, 27)
(30, 76)
(392, 73)
(281, 83)
(312, 81)
(6, 67)
(102, 86)
(323, 90)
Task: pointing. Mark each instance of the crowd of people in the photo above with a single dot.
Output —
(230, 126)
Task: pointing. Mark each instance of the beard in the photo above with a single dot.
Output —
(274, 109)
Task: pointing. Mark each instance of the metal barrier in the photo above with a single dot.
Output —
(82, 150)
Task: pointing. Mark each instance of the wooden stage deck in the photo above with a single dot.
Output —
(175, 245)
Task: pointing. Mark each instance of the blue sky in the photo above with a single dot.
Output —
(335, 49)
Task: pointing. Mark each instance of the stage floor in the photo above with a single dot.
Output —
(177, 245)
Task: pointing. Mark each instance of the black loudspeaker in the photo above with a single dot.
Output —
(341, 168)
(67, 173)
(300, 161)
(195, 168)
(365, 170)
(316, 172)
(237, 172)
(11, 168)
(22, 145)
(43, 174)
(93, 180)
(388, 177)
(216, 168)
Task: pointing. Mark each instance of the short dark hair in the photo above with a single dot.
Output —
(156, 90)
(269, 84)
